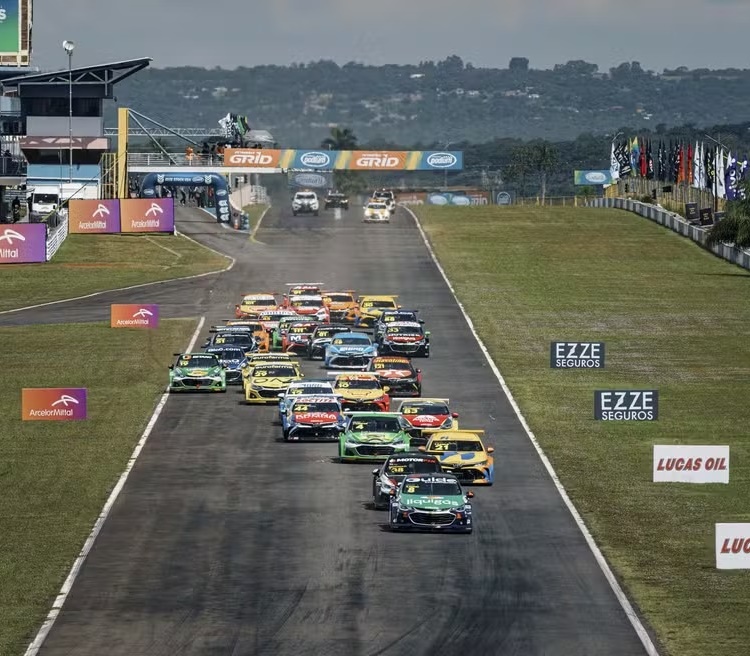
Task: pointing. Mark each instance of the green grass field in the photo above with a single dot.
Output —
(56, 476)
(674, 318)
(91, 263)
(254, 212)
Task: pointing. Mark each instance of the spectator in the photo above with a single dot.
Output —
(16, 210)
(189, 154)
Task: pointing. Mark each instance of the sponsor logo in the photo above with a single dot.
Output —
(154, 210)
(26, 243)
(53, 404)
(199, 179)
(576, 355)
(11, 236)
(94, 216)
(3, 15)
(733, 546)
(691, 464)
(377, 161)
(221, 192)
(503, 198)
(310, 180)
(595, 177)
(140, 215)
(315, 159)
(100, 211)
(251, 157)
(461, 200)
(160, 178)
(442, 160)
(626, 405)
(134, 316)
(437, 199)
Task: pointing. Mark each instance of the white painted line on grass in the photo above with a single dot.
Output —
(57, 605)
(640, 629)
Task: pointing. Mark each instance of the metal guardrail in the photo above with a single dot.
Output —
(159, 132)
(13, 167)
(56, 236)
(177, 159)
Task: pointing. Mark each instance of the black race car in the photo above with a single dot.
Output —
(335, 199)
(395, 469)
(321, 337)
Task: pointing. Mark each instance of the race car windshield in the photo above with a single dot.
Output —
(404, 468)
(427, 409)
(305, 196)
(458, 445)
(233, 338)
(258, 302)
(353, 339)
(391, 366)
(375, 424)
(306, 303)
(310, 389)
(198, 361)
(272, 371)
(427, 488)
(316, 407)
(326, 332)
(341, 298)
(229, 354)
(360, 384)
(376, 206)
(403, 330)
(378, 304)
(301, 330)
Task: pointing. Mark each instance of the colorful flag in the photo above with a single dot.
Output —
(635, 156)
(642, 159)
(731, 178)
(710, 177)
(689, 164)
(614, 163)
(649, 161)
(623, 157)
(721, 190)
(679, 164)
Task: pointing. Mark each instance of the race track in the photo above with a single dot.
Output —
(227, 541)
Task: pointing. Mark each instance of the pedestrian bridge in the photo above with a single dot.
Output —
(182, 163)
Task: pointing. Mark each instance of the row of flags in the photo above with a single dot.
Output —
(234, 126)
(702, 167)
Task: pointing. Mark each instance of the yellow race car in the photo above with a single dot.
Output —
(266, 380)
(254, 359)
(360, 391)
(370, 308)
(463, 454)
(253, 304)
(259, 332)
(340, 304)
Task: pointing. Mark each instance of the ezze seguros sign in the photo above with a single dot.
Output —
(626, 405)
(576, 355)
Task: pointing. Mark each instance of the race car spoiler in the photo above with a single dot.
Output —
(464, 431)
(302, 285)
(230, 329)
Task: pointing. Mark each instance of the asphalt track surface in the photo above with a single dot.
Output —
(226, 540)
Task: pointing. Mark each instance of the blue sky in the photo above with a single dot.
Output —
(228, 33)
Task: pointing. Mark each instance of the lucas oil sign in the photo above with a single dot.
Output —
(675, 463)
(626, 405)
(576, 355)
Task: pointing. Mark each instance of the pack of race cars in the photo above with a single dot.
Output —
(368, 399)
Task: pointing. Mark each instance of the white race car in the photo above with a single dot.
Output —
(377, 212)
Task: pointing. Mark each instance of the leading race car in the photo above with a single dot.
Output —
(433, 502)
(349, 350)
(265, 381)
(395, 469)
(297, 338)
(405, 338)
(252, 304)
(197, 372)
(361, 392)
(372, 436)
(426, 414)
(299, 388)
(314, 417)
(462, 453)
(370, 308)
(398, 373)
(321, 337)
(233, 359)
(339, 303)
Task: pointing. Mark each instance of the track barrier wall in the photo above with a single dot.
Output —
(126, 215)
(677, 224)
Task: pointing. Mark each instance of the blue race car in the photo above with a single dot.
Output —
(350, 351)
(233, 360)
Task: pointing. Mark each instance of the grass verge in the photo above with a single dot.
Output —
(674, 318)
(254, 212)
(56, 476)
(91, 263)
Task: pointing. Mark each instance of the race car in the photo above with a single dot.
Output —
(270, 319)
(335, 199)
(306, 387)
(311, 306)
(372, 436)
(369, 308)
(431, 502)
(233, 359)
(395, 469)
(398, 373)
(339, 303)
(361, 392)
(278, 333)
(426, 414)
(393, 316)
(252, 304)
(349, 350)
(304, 289)
(387, 197)
(265, 358)
(376, 212)
(321, 337)
(265, 381)
(405, 338)
(314, 418)
(462, 453)
(242, 327)
(305, 202)
(197, 371)
(240, 339)
(297, 338)
(258, 330)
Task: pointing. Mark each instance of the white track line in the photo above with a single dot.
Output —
(232, 262)
(640, 629)
(57, 605)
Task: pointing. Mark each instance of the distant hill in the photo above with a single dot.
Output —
(448, 101)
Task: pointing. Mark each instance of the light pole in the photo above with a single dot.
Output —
(69, 46)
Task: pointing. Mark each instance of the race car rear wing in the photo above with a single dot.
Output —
(303, 284)
(230, 329)
(465, 431)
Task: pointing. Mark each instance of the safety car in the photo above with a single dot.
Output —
(305, 202)
(197, 371)
(360, 391)
(233, 359)
(369, 308)
(265, 380)
(376, 212)
(462, 453)
(349, 350)
(315, 417)
(405, 338)
(398, 373)
(432, 502)
(297, 337)
(307, 387)
(386, 196)
(372, 436)
(339, 303)
(321, 337)
(252, 304)
(426, 414)
(395, 469)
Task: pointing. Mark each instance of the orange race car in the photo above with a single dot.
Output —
(261, 335)
(340, 303)
(252, 304)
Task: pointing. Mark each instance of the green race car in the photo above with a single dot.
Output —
(431, 502)
(373, 436)
(197, 372)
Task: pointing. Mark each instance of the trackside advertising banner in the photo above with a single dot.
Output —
(128, 315)
(147, 215)
(691, 464)
(53, 404)
(601, 177)
(626, 405)
(23, 243)
(350, 160)
(732, 546)
(576, 355)
(94, 216)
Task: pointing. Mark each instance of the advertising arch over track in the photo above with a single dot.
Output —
(215, 180)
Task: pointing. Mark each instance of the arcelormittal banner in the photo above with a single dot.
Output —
(23, 243)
